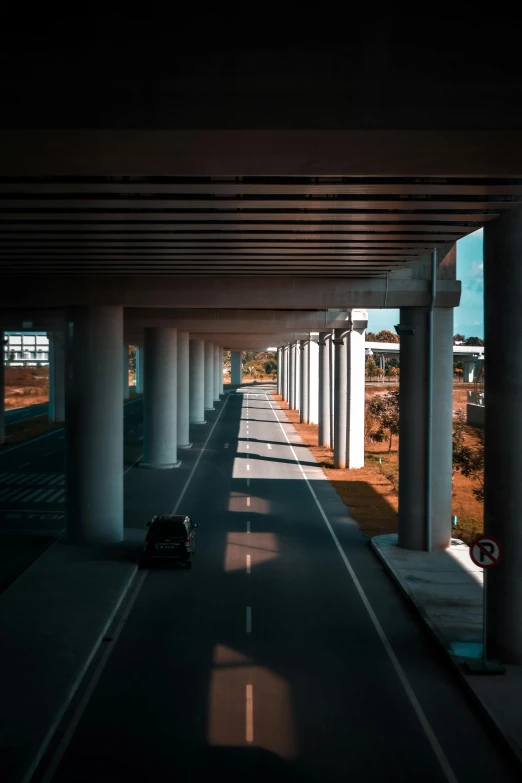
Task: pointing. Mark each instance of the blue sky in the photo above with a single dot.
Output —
(469, 315)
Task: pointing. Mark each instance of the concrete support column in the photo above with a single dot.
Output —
(56, 376)
(2, 386)
(183, 381)
(280, 371)
(286, 360)
(236, 368)
(469, 371)
(218, 372)
(324, 389)
(502, 428)
(304, 382)
(197, 381)
(139, 369)
(355, 406)
(291, 376)
(94, 434)
(331, 357)
(413, 434)
(160, 409)
(125, 357)
(313, 379)
(340, 399)
(209, 376)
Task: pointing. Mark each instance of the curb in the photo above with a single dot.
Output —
(35, 761)
(486, 714)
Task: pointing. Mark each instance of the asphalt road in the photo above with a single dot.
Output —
(274, 658)
(32, 491)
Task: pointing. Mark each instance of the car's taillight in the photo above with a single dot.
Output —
(187, 540)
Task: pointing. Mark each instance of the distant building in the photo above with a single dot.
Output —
(26, 349)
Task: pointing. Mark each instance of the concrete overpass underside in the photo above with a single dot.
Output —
(183, 187)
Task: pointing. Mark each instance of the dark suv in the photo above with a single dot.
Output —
(170, 537)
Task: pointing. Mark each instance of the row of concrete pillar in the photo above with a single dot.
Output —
(181, 379)
(324, 376)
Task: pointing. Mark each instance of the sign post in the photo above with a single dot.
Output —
(485, 552)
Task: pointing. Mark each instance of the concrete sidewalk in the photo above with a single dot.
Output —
(52, 621)
(446, 589)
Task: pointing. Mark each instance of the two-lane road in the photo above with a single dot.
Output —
(274, 658)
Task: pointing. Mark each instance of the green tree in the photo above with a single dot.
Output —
(383, 417)
(468, 459)
(474, 341)
(385, 336)
(371, 367)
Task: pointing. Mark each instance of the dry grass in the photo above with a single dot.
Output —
(26, 386)
(371, 493)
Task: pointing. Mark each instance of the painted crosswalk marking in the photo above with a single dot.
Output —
(32, 487)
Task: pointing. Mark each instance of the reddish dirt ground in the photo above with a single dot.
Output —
(371, 493)
(26, 386)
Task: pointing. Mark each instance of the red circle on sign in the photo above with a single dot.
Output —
(479, 542)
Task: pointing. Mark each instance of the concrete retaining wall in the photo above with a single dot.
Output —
(475, 415)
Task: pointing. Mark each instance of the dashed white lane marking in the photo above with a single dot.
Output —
(140, 425)
(62, 437)
(430, 734)
(248, 467)
(248, 526)
(248, 501)
(130, 432)
(248, 445)
(249, 619)
(140, 437)
(269, 446)
(48, 453)
(248, 564)
(25, 464)
(249, 728)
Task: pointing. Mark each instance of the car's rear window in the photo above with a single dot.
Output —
(166, 528)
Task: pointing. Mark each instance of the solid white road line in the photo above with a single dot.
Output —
(133, 464)
(248, 526)
(430, 734)
(198, 459)
(248, 564)
(71, 728)
(249, 619)
(249, 728)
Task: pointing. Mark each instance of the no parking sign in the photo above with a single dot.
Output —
(485, 551)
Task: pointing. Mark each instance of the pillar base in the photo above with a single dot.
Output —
(164, 466)
(210, 409)
(203, 421)
(185, 446)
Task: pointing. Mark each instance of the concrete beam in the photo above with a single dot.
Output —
(382, 153)
(224, 292)
(231, 321)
